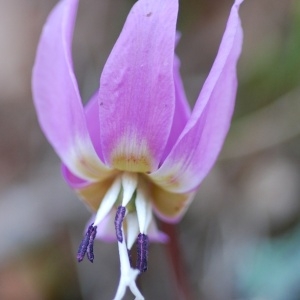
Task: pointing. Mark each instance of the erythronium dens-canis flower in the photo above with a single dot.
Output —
(135, 149)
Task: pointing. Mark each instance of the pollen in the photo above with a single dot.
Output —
(86, 245)
(118, 222)
(142, 245)
(90, 247)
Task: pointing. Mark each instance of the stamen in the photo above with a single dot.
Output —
(142, 245)
(132, 229)
(118, 222)
(90, 247)
(84, 243)
(129, 183)
(108, 201)
(143, 210)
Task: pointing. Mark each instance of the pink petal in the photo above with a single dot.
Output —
(201, 141)
(91, 110)
(137, 96)
(56, 96)
(155, 235)
(106, 229)
(182, 110)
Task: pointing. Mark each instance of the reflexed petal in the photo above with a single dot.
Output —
(200, 143)
(56, 94)
(182, 110)
(136, 96)
(91, 110)
(169, 206)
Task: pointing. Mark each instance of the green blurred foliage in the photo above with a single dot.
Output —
(273, 73)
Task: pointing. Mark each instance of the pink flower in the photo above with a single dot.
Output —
(136, 148)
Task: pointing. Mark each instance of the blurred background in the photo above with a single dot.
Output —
(239, 240)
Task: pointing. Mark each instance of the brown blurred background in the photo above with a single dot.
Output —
(240, 239)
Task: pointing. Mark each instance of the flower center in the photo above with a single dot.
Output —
(128, 199)
(131, 157)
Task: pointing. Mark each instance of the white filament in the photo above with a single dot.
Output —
(108, 201)
(132, 229)
(143, 210)
(129, 183)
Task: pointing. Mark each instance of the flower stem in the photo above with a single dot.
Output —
(182, 286)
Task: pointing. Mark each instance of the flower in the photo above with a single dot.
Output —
(135, 148)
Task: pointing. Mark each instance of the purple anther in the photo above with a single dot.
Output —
(90, 247)
(118, 222)
(84, 243)
(142, 245)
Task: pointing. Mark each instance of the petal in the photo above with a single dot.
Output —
(93, 193)
(56, 96)
(168, 206)
(137, 96)
(201, 140)
(182, 110)
(156, 235)
(91, 111)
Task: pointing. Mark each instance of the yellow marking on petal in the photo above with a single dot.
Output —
(93, 194)
(131, 163)
(170, 180)
(89, 166)
(85, 163)
(132, 155)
